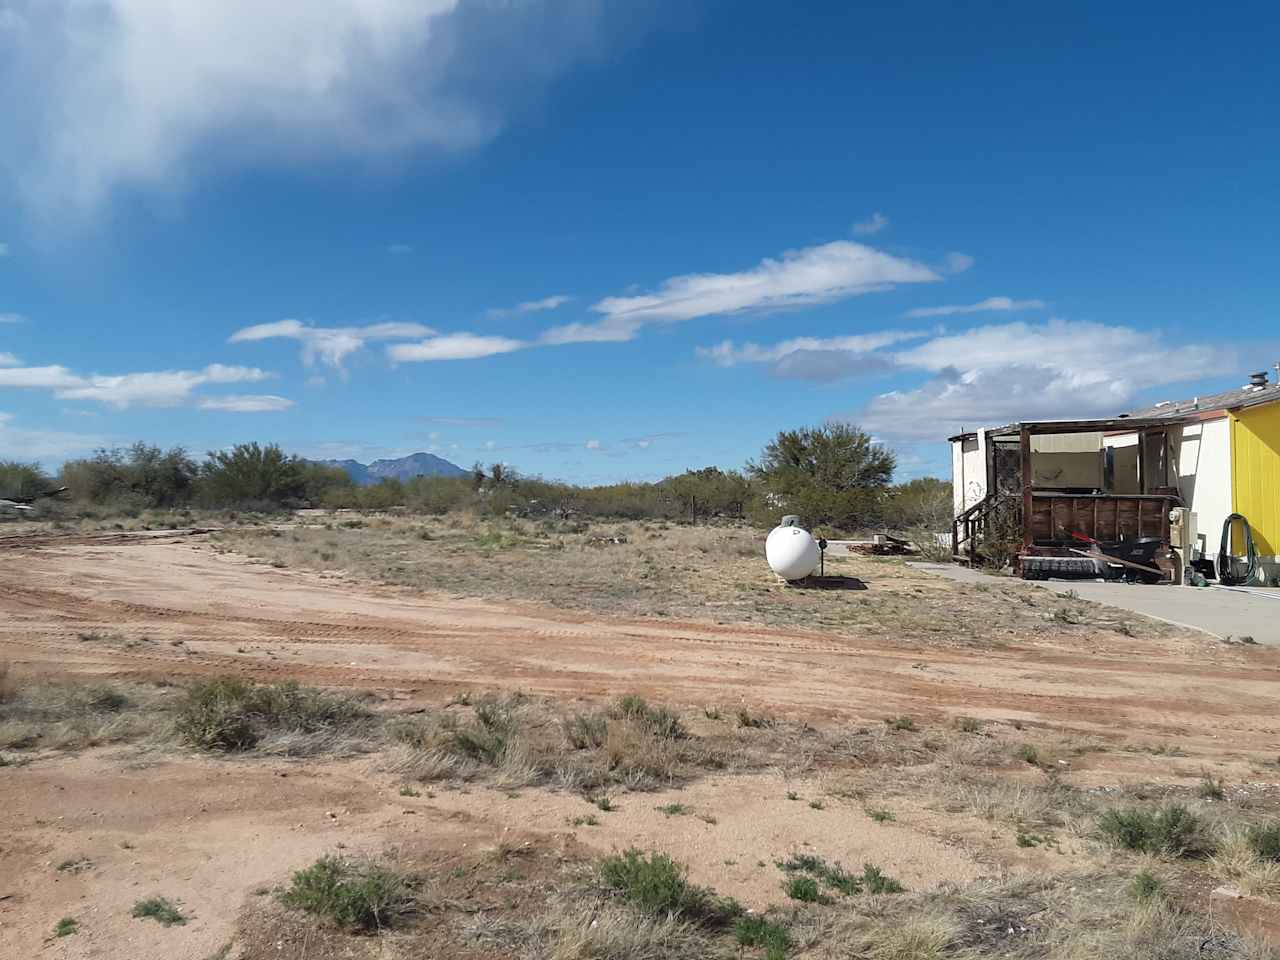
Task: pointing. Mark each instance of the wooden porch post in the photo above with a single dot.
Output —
(1025, 452)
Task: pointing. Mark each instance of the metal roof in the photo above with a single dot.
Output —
(1227, 400)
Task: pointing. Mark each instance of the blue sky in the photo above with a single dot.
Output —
(616, 240)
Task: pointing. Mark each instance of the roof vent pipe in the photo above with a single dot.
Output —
(1258, 380)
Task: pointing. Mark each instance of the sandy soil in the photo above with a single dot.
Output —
(167, 606)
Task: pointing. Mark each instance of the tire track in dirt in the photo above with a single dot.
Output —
(168, 588)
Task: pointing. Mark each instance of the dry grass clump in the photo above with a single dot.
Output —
(512, 740)
(231, 715)
(591, 931)
(69, 716)
(1079, 917)
(1249, 857)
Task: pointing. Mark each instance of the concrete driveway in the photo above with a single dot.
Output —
(1221, 611)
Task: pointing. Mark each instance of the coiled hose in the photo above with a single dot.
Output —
(1226, 576)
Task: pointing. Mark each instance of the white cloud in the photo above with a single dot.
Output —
(399, 249)
(991, 304)
(246, 403)
(453, 346)
(165, 388)
(329, 345)
(4, 249)
(592, 444)
(9, 360)
(1059, 369)
(813, 358)
(812, 275)
(606, 331)
(956, 263)
(113, 93)
(873, 224)
(39, 378)
(726, 354)
(12, 318)
(552, 302)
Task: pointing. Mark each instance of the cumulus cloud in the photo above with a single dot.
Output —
(873, 224)
(989, 305)
(147, 92)
(329, 346)
(453, 346)
(1059, 369)
(553, 302)
(811, 275)
(163, 388)
(246, 403)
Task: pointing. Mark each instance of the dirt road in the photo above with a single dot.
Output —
(166, 606)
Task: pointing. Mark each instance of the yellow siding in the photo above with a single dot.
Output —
(1255, 474)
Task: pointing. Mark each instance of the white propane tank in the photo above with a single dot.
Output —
(792, 553)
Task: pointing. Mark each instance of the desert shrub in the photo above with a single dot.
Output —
(1171, 831)
(657, 885)
(22, 479)
(832, 476)
(586, 731)
(164, 912)
(758, 932)
(804, 889)
(253, 475)
(659, 721)
(229, 715)
(1264, 840)
(1146, 886)
(133, 478)
(349, 894)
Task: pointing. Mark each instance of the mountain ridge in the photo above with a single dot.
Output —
(398, 468)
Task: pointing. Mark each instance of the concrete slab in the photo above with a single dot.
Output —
(1219, 611)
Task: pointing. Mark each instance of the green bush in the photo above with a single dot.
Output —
(354, 896)
(1264, 840)
(657, 885)
(229, 715)
(759, 932)
(160, 910)
(659, 721)
(804, 889)
(1171, 831)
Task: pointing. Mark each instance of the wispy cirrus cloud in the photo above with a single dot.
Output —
(728, 354)
(12, 318)
(463, 421)
(812, 275)
(4, 249)
(246, 403)
(989, 305)
(872, 225)
(399, 249)
(45, 445)
(114, 93)
(162, 388)
(553, 302)
(9, 360)
(453, 346)
(329, 346)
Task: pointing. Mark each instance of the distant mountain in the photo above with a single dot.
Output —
(401, 468)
